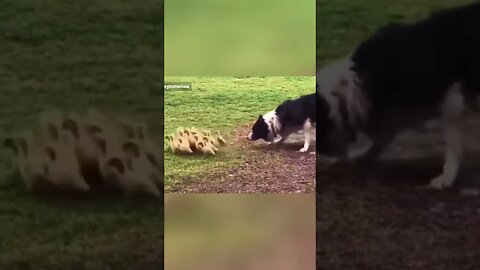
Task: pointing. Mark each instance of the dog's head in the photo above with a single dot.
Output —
(261, 130)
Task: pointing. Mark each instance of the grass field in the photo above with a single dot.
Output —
(249, 37)
(222, 103)
(343, 24)
(73, 54)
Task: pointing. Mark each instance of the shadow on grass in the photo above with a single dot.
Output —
(103, 201)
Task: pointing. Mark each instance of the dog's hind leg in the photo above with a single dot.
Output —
(452, 111)
(307, 126)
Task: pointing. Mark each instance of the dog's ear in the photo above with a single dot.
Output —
(260, 117)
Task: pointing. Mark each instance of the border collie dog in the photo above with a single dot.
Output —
(403, 75)
(289, 117)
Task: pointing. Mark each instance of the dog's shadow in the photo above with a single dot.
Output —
(292, 144)
(418, 171)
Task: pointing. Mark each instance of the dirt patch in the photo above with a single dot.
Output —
(391, 221)
(267, 169)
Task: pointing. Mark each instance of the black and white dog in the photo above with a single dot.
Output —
(289, 117)
(401, 76)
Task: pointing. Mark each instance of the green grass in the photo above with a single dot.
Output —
(343, 24)
(249, 37)
(73, 54)
(223, 103)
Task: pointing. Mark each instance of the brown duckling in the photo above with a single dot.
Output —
(182, 144)
(130, 181)
(173, 147)
(63, 165)
(29, 161)
(138, 160)
(208, 143)
(219, 138)
(85, 149)
(204, 149)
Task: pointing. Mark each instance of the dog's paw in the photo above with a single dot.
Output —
(440, 182)
(303, 150)
(279, 140)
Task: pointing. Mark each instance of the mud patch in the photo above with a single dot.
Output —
(391, 221)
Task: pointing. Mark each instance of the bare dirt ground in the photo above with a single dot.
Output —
(268, 169)
(391, 221)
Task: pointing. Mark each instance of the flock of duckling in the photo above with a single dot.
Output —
(193, 140)
(87, 153)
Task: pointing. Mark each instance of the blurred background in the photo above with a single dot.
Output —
(219, 232)
(250, 37)
(71, 55)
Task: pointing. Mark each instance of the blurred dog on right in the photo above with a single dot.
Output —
(402, 76)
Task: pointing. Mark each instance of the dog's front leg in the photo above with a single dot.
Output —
(307, 126)
(363, 161)
(452, 110)
(453, 156)
(282, 139)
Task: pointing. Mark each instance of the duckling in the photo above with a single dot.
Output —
(179, 134)
(129, 181)
(219, 138)
(63, 167)
(205, 150)
(191, 139)
(108, 148)
(213, 140)
(197, 132)
(208, 143)
(139, 160)
(183, 145)
(128, 129)
(30, 165)
(85, 149)
(169, 139)
(134, 130)
(151, 147)
(173, 147)
(47, 131)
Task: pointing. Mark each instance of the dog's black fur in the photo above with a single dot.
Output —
(405, 72)
(295, 112)
(290, 116)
